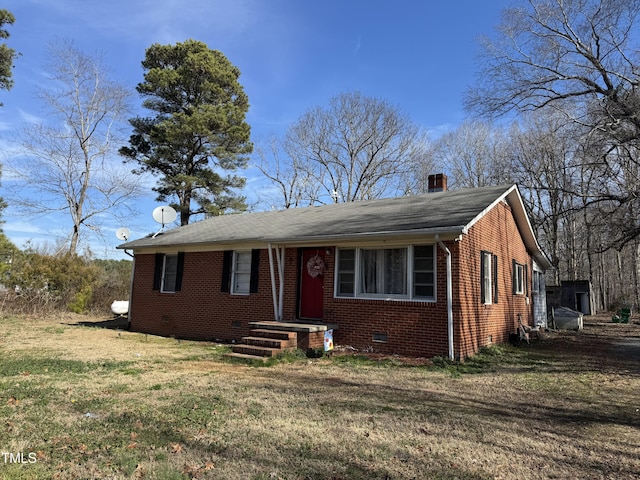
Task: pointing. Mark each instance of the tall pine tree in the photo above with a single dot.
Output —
(198, 131)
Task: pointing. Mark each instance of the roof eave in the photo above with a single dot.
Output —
(445, 233)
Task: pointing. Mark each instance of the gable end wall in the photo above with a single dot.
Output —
(479, 325)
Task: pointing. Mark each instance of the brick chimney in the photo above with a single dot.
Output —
(437, 183)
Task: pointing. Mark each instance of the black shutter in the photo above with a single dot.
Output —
(255, 264)
(157, 273)
(482, 292)
(514, 276)
(179, 271)
(525, 274)
(495, 279)
(226, 270)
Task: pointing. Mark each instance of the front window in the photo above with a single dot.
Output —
(241, 273)
(346, 272)
(383, 272)
(423, 272)
(394, 273)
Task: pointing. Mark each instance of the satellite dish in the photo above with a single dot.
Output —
(123, 234)
(164, 215)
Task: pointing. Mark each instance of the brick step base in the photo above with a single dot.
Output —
(262, 344)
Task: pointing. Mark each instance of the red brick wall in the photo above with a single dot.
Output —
(478, 325)
(411, 328)
(201, 311)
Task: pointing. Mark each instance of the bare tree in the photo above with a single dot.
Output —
(357, 148)
(475, 155)
(292, 178)
(578, 57)
(68, 158)
(544, 165)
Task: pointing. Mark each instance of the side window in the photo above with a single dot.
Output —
(488, 278)
(241, 273)
(519, 278)
(168, 272)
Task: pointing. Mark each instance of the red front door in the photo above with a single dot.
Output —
(312, 283)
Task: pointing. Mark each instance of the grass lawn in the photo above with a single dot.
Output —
(80, 402)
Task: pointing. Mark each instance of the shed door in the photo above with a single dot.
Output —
(312, 283)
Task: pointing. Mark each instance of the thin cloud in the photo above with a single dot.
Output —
(29, 117)
(356, 50)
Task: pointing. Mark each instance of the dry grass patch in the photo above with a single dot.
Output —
(99, 403)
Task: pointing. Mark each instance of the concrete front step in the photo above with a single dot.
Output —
(290, 326)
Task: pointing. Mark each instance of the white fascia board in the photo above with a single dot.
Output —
(513, 198)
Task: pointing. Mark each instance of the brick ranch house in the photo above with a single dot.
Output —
(439, 274)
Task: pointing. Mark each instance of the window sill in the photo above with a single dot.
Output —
(386, 299)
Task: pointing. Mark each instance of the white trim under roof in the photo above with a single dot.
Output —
(514, 199)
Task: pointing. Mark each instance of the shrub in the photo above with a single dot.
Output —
(49, 282)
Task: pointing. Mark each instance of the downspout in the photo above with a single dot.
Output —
(133, 272)
(449, 298)
(276, 310)
(280, 259)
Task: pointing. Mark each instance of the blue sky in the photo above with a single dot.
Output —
(419, 55)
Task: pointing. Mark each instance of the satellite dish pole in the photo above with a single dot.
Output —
(163, 215)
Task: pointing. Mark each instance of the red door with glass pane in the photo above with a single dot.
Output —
(312, 283)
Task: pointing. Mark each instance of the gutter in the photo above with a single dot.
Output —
(146, 244)
(449, 297)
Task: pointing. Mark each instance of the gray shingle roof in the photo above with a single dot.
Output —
(438, 212)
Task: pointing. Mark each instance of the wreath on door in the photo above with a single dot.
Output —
(315, 266)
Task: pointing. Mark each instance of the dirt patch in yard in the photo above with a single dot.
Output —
(601, 345)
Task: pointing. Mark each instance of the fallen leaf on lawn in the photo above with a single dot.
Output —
(176, 448)
(192, 471)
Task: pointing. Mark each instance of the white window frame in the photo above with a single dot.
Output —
(244, 272)
(487, 279)
(340, 273)
(169, 271)
(413, 272)
(518, 279)
(380, 280)
(409, 272)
